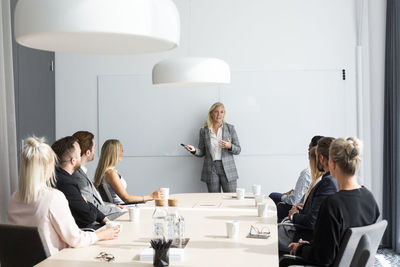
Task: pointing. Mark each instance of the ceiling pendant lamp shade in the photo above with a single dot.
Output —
(98, 26)
(191, 71)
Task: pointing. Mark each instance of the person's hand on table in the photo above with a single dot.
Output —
(190, 148)
(157, 194)
(225, 144)
(108, 234)
(106, 220)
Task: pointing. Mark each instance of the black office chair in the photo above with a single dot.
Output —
(358, 248)
(105, 193)
(21, 246)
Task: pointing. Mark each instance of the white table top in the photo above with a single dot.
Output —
(205, 216)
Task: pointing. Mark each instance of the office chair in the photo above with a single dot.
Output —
(21, 246)
(105, 193)
(358, 248)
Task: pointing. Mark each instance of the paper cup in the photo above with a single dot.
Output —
(232, 229)
(256, 189)
(112, 224)
(262, 209)
(134, 214)
(240, 193)
(165, 192)
(258, 199)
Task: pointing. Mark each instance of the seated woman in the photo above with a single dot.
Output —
(111, 185)
(285, 201)
(316, 176)
(36, 203)
(352, 206)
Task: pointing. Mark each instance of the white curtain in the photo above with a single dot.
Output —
(8, 142)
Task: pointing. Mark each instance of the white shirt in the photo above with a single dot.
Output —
(84, 169)
(216, 150)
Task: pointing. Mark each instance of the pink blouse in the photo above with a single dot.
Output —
(51, 213)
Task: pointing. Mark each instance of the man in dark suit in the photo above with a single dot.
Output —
(304, 216)
(86, 215)
(87, 144)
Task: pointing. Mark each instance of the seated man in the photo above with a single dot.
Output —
(87, 144)
(304, 216)
(69, 155)
(286, 200)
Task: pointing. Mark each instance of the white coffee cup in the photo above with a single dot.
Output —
(232, 229)
(262, 209)
(240, 193)
(256, 189)
(165, 192)
(134, 214)
(258, 199)
(112, 224)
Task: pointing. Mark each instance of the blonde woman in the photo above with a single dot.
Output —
(316, 174)
(353, 206)
(111, 185)
(36, 203)
(218, 143)
(286, 201)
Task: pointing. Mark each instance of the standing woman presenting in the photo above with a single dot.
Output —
(218, 142)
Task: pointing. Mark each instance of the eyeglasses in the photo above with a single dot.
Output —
(103, 256)
(260, 230)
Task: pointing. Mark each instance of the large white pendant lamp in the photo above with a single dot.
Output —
(191, 71)
(98, 26)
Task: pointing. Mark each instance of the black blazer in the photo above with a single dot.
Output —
(84, 213)
(308, 216)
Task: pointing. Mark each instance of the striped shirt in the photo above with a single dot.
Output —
(302, 185)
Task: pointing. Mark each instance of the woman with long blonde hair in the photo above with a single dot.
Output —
(316, 174)
(36, 203)
(218, 142)
(111, 185)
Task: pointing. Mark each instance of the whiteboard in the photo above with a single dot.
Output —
(278, 112)
(151, 120)
(274, 112)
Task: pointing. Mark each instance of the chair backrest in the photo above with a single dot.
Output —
(105, 193)
(21, 246)
(359, 245)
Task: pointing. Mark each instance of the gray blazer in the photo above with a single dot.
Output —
(204, 148)
(91, 194)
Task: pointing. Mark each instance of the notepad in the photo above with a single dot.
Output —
(175, 254)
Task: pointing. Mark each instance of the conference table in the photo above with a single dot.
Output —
(205, 217)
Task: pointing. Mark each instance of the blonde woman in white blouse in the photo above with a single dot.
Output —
(36, 203)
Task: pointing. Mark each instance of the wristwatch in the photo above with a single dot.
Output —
(291, 216)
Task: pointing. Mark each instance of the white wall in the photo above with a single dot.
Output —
(251, 36)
